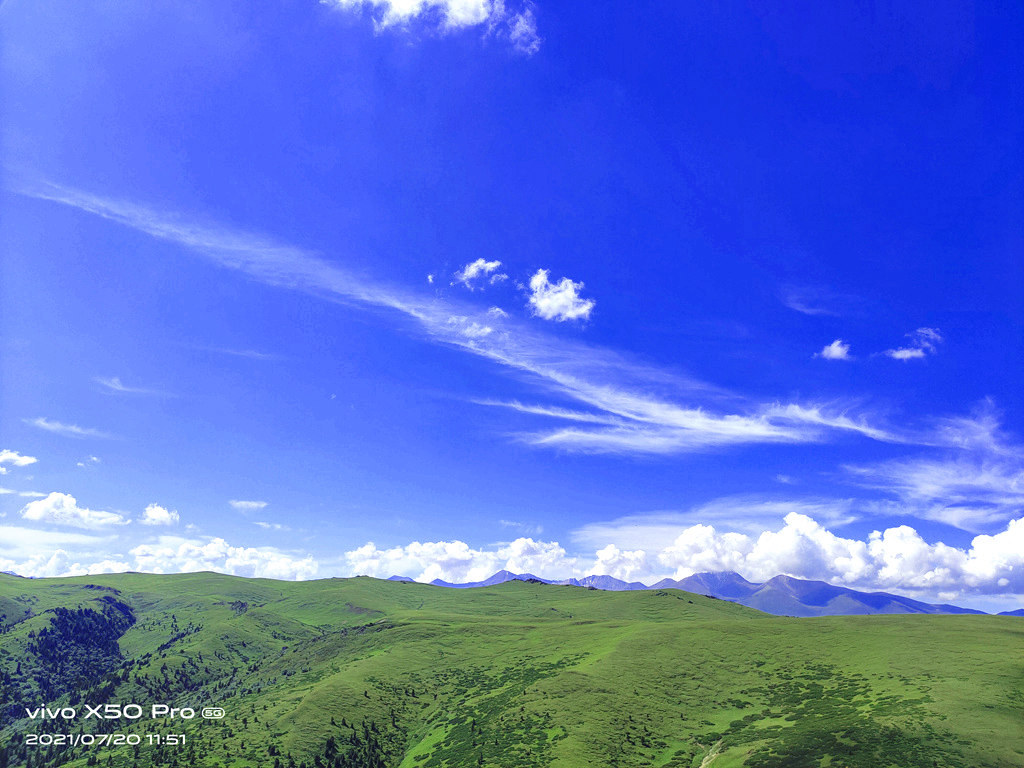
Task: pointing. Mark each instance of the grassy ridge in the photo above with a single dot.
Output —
(365, 672)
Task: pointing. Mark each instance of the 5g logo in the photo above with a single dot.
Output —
(213, 713)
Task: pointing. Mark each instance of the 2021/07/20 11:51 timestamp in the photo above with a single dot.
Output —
(103, 739)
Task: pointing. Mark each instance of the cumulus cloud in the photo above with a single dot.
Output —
(247, 506)
(519, 27)
(154, 514)
(68, 430)
(58, 563)
(837, 350)
(456, 561)
(475, 270)
(34, 552)
(628, 565)
(923, 342)
(897, 558)
(558, 301)
(63, 509)
(173, 554)
(14, 459)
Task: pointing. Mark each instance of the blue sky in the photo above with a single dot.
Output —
(434, 288)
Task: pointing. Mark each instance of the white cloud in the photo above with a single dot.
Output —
(154, 514)
(523, 32)
(42, 565)
(923, 342)
(270, 526)
(702, 548)
(251, 354)
(644, 409)
(63, 509)
(68, 430)
(14, 459)
(468, 328)
(430, 279)
(811, 300)
(451, 561)
(476, 269)
(88, 461)
(665, 428)
(173, 554)
(977, 481)
(967, 491)
(528, 529)
(628, 565)
(17, 541)
(897, 558)
(558, 301)
(894, 559)
(114, 384)
(837, 350)
(747, 513)
(497, 312)
(456, 561)
(247, 506)
(519, 28)
(834, 419)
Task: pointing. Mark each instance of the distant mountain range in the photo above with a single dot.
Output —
(782, 595)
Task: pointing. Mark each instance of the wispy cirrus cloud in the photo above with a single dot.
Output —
(812, 300)
(923, 342)
(632, 408)
(251, 354)
(247, 506)
(114, 384)
(68, 430)
(977, 480)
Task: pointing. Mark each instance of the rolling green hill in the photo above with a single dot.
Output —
(362, 672)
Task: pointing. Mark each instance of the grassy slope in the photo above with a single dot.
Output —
(528, 674)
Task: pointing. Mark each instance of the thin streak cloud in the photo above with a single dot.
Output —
(67, 430)
(639, 404)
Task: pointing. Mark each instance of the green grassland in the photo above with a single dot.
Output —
(364, 673)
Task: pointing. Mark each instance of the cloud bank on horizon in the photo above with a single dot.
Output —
(894, 559)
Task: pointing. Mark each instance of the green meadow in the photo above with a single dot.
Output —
(364, 673)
